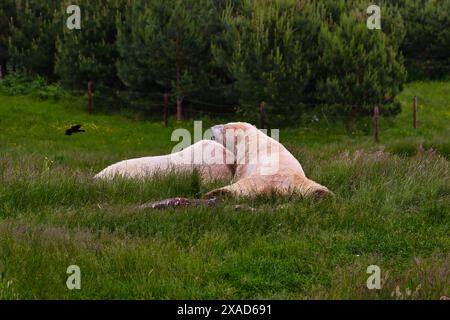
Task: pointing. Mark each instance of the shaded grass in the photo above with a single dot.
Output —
(391, 209)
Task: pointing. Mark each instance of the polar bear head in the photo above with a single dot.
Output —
(252, 149)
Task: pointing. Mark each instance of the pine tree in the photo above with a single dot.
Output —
(426, 46)
(268, 49)
(164, 47)
(33, 36)
(90, 53)
(358, 67)
(7, 16)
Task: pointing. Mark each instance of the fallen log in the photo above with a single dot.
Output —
(178, 202)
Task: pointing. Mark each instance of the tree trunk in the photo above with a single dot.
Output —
(179, 109)
(178, 70)
(352, 118)
(3, 70)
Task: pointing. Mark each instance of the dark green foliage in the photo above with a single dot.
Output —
(90, 53)
(301, 57)
(7, 15)
(36, 86)
(164, 47)
(297, 55)
(426, 45)
(359, 68)
(33, 35)
(266, 50)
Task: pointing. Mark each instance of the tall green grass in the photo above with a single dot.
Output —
(391, 209)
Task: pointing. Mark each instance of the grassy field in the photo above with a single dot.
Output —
(392, 209)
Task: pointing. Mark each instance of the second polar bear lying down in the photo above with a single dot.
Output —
(204, 156)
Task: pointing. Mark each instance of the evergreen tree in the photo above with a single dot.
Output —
(164, 47)
(426, 46)
(90, 53)
(267, 49)
(358, 67)
(33, 36)
(7, 16)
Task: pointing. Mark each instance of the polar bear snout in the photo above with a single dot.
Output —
(217, 134)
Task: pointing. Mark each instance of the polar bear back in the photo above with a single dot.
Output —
(205, 156)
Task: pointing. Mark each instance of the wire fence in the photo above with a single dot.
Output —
(154, 101)
(154, 105)
(165, 104)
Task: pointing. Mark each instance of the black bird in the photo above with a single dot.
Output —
(74, 129)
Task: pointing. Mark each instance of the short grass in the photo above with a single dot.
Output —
(391, 210)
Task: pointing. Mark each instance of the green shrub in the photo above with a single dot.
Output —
(440, 145)
(21, 84)
(404, 147)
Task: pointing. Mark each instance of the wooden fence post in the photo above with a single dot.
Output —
(375, 124)
(415, 112)
(262, 115)
(179, 109)
(166, 104)
(89, 96)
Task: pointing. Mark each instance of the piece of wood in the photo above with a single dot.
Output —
(166, 105)
(262, 115)
(178, 202)
(375, 124)
(90, 90)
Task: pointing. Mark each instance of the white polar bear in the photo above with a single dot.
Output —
(211, 164)
(258, 164)
(263, 165)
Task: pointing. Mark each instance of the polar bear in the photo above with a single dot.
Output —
(262, 164)
(205, 156)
